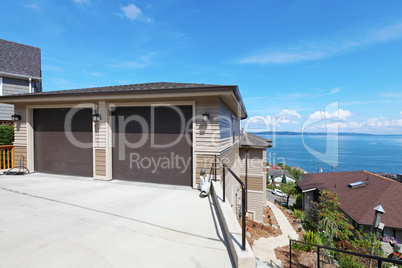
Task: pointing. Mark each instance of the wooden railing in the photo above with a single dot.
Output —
(6, 156)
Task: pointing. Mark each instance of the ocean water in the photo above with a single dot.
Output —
(350, 153)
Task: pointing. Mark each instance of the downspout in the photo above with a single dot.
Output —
(30, 85)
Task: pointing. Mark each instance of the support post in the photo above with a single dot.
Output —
(224, 184)
(215, 168)
(290, 253)
(243, 220)
(245, 179)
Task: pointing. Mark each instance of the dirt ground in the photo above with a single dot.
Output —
(300, 259)
(265, 229)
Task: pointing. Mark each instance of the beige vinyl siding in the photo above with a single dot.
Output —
(207, 134)
(20, 128)
(18, 152)
(254, 183)
(255, 163)
(100, 162)
(233, 190)
(255, 204)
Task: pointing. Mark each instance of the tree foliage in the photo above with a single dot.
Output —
(295, 172)
(6, 135)
(326, 212)
(289, 189)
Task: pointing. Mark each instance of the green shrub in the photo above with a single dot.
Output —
(6, 135)
(299, 214)
(348, 261)
(309, 225)
(312, 238)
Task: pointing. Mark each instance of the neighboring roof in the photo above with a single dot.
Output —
(359, 202)
(251, 140)
(20, 60)
(300, 169)
(279, 174)
(271, 167)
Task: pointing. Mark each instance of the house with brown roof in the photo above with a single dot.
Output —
(20, 72)
(359, 193)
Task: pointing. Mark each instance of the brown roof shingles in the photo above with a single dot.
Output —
(19, 59)
(359, 202)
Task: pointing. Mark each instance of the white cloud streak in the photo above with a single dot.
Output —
(339, 115)
(325, 48)
(82, 2)
(32, 6)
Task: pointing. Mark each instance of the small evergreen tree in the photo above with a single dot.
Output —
(284, 179)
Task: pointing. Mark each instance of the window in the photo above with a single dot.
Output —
(233, 130)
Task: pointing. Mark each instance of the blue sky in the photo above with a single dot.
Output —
(290, 59)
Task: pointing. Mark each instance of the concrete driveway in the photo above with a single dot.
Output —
(62, 221)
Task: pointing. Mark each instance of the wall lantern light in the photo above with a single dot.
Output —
(205, 116)
(16, 117)
(96, 117)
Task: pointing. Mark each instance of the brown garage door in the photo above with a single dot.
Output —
(151, 144)
(55, 152)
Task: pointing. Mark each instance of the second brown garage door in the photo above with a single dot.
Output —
(54, 152)
(150, 144)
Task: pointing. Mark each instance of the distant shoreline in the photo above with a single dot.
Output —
(290, 133)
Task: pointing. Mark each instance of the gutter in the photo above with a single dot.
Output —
(11, 75)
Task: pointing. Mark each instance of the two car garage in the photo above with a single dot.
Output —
(149, 143)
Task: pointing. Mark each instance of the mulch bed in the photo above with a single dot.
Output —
(265, 229)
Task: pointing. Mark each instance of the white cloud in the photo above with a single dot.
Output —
(325, 47)
(335, 90)
(131, 11)
(33, 6)
(283, 57)
(271, 122)
(370, 125)
(400, 114)
(339, 115)
(142, 62)
(82, 2)
(288, 114)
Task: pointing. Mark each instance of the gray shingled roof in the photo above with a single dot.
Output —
(133, 88)
(19, 59)
(146, 88)
(251, 140)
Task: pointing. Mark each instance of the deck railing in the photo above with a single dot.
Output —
(380, 260)
(6, 156)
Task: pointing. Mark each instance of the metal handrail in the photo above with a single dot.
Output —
(243, 203)
(379, 259)
(214, 165)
